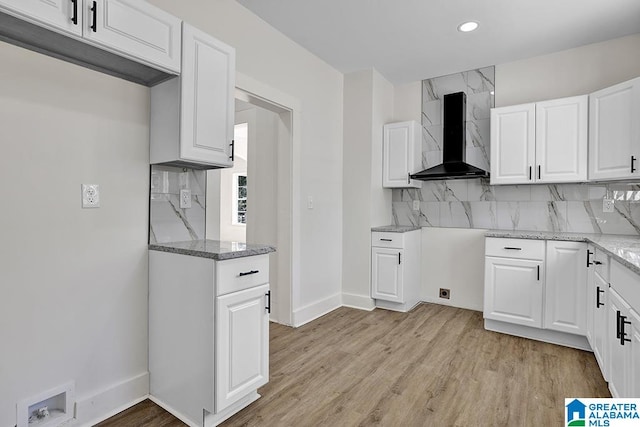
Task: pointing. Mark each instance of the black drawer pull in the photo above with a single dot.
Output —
(94, 22)
(386, 240)
(597, 262)
(623, 334)
(633, 167)
(74, 18)
(598, 292)
(512, 248)
(589, 253)
(268, 307)
(233, 150)
(249, 273)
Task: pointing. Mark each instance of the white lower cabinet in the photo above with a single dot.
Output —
(395, 269)
(600, 292)
(514, 281)
(242, 335)
(565, 302)
(634, 390)
(208, 334)
(539, 285)
(619, 348)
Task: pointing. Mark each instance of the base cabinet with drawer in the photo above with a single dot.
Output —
(395, 269)
(208, 334)
(536, 289)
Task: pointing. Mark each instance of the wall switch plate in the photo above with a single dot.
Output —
(607, 205)
(90, 196)
(416, 205)
(310, 202)
(185, 199)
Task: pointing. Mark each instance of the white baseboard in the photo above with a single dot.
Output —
(317, 309)
(443, 301)
(97, 407)
(361, 302)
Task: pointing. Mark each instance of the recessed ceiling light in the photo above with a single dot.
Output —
(465, 27)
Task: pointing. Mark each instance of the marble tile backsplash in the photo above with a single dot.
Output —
(560, 207)
(168, 222)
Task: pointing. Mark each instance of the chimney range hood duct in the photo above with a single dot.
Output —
(454, 144)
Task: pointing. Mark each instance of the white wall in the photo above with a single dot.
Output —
(74, 281)
(567, 73)
(267, 56)
(368, 105)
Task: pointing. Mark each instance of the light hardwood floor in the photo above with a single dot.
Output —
(434, 366)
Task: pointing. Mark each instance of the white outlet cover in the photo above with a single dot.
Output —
(185, 199)
(416, 205)
(90, 196)
(608, 205)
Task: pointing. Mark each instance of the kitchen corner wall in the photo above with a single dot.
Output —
(169, 222)
(476, 204)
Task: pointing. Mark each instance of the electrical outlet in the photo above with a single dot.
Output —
(90, 196)
(416, 205)
(445, 293)
(607, 205)
(185, 199)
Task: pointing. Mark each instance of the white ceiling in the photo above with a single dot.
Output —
(409, 40)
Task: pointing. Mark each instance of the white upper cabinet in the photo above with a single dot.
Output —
(134, 28)
(561, 140)
(402, 155)
(64, 15)
(513, 144)
(543, 142)
(192, 116)
(614, 132)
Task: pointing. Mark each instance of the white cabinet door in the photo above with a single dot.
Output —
(600, 325)
(565, 290)
(242, 345)
(135, 29)
(561, 140)
(513, 290)
(387, 274)
(402, 154)
(591, 286)
(512, 144)
(65, 15)
(619, 355)
(208, 85)
(614, 132)
(634, 390)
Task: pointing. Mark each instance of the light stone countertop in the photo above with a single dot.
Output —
(395, 228)
(213, 249)
(624, 249)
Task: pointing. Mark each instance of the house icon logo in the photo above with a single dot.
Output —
(576, 413)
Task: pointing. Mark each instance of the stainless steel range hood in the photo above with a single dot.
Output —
(453, 164)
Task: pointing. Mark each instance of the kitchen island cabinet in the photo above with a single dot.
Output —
(209, 305)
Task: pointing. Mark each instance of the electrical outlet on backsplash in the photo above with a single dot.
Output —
(555, 207)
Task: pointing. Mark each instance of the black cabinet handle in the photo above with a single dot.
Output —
(589, 253)
(618, 318)
(399, 258)
(408, 178)
(94, 21)
(529, 173)
(386, 240)
(248, 273)
(633, 167)
(268, 307)
(598, 291)
(538, 171)
(512, 248)
(538, 273)
(623, 334)
(74, 18)
(233, 150)
(597, 262)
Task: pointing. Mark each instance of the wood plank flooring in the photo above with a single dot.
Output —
(435, 366)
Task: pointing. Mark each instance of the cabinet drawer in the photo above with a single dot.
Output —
(515, 248)
(387, 240)
(241, 273)
(627, 284)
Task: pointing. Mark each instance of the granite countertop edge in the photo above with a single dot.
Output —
(624, 249)
(395, 228)
(217, 255)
